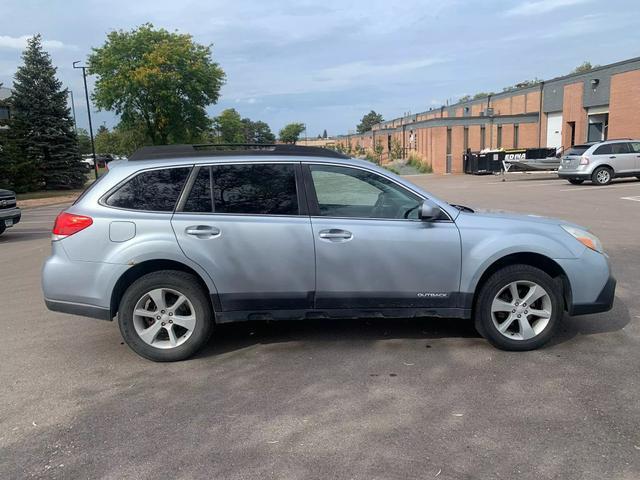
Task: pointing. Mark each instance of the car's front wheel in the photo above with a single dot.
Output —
(519, 308)
(165, 316)
(576, 181)
(602, 176)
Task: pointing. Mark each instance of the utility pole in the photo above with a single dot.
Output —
(73, 111)
(86, 95)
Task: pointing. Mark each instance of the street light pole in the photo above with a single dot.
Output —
(86, 94)
(73, 110)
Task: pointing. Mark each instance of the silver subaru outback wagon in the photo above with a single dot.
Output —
(178, 239)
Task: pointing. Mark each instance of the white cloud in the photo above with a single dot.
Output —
(537, 7)
(348, 73)
(19, 43)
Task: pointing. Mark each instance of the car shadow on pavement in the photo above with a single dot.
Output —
(614, 320)
(235, 336)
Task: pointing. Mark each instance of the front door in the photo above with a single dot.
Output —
(246, 225)
(635, 148)
(372, 251)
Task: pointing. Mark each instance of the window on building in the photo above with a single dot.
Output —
(4, 113)
(448, 141)
(153, 190)
(516, 135)
(466, 139)
(483, 136)
(499, 137)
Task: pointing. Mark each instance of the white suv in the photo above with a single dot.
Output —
(601, 162)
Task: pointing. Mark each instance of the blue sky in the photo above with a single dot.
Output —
(326, 63)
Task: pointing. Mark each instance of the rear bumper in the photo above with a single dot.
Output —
(603, 303)
(12, 213)
(84, 310)
(571, 174)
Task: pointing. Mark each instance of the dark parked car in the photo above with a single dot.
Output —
(9, 212)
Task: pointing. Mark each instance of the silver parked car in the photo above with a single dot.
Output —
(177, 239)
(601, 162)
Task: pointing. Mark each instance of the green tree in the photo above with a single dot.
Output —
(378, 149)
(291, 133)
(157, 79)
(121, 140)
(41, 125)
(229, 127)
(257, 132)
(84, 142)
(396, 152)
(368, 121)
(584, 67)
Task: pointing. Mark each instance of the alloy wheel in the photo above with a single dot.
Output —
(521, 310)
(603, 176)
(164, 318)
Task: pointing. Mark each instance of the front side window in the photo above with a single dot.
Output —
(152, 190)
(251, 189)
(351, 192)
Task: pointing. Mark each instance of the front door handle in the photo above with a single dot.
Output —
(202, 231)
(336, 234)
(612, 156)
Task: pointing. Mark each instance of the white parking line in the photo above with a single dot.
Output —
(633, 199)
(589, 187)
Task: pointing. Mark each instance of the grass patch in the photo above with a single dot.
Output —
(47, 194)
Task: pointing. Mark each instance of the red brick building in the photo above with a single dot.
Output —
(596, 105)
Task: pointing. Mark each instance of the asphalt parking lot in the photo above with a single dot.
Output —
(377, 399)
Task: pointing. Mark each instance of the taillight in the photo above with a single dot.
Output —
(68, 223)
(584, 160)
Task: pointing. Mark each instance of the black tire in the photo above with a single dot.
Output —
(600, 178)
(576, 181)
(638, 177)
(187, 285)
(2, 228)
(495, 284)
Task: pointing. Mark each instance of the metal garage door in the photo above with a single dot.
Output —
(554, 130)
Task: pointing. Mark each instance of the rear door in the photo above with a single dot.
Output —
(372, 251)
(247, 225)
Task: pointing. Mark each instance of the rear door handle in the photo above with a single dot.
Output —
(202, 231)
(336, 234)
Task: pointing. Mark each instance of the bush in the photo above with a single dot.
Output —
(416, 162)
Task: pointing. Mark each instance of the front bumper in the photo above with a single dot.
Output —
(603, 303)
(10, 214)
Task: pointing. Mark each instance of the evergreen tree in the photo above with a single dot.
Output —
(41, 125)
(324, 134)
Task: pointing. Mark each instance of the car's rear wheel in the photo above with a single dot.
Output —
(2, 228)
(602, 176)
(519, 308)
(576, 181)
(165, 316)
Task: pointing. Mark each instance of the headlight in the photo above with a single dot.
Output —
(588, 239)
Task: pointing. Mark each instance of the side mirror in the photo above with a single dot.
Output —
(429, 211)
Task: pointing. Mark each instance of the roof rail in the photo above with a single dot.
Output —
(168, 152)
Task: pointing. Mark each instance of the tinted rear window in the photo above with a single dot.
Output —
(612, 148)
(577, 149)
(245, 189)
(153, 190)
